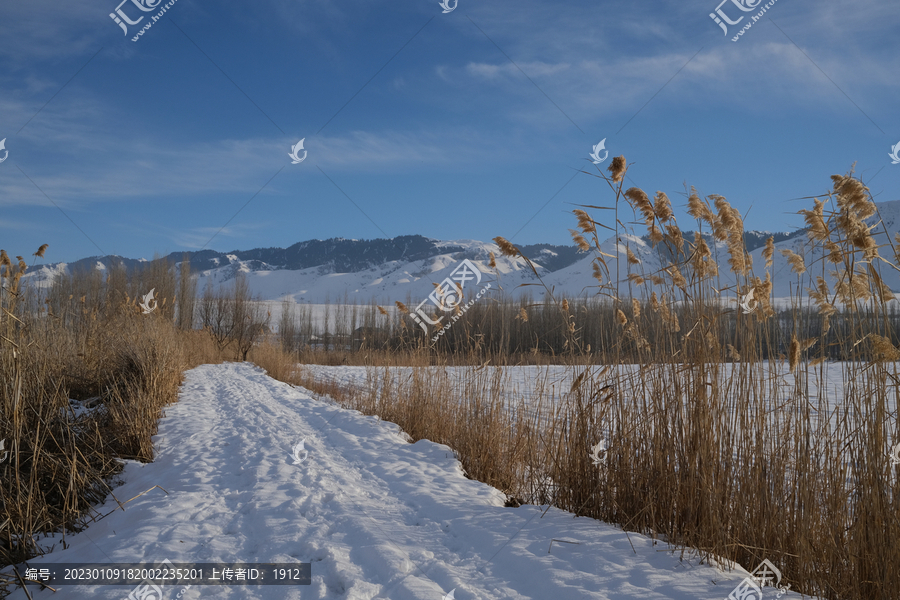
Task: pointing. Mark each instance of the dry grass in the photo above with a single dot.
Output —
(719, 437)
(84, 339)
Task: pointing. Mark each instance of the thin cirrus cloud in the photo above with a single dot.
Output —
(139, 170)
(606, 65)
(198, 237)
(143, 169)
(776, 71)
(400, 150)
(41, 29)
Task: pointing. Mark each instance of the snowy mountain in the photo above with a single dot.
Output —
(407, 268)
(318, 271)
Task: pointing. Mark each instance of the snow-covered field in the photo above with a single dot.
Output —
(522, 385)
(376, 516)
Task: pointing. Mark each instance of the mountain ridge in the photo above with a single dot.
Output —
(313, 253)
(408, 267)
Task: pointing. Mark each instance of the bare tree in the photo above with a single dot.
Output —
(187, 295)
(249, 325)
(215, 316)
(287, 326)
(157, 275)
(116, 287)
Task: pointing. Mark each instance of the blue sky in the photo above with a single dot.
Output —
(469, 124)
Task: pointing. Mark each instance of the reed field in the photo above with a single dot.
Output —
(742, 435)
(719, 429)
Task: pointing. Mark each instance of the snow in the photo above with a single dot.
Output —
(528, 382)
(376, 516)
(522, 387)
(411, 280)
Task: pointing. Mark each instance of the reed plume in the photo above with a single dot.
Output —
(506, 248)
(617, 168)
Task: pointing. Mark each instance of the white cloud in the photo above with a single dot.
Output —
(47, 30)
(594, 67)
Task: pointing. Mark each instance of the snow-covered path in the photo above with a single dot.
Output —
(376, 516)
